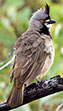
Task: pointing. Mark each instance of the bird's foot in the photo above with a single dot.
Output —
(38, 80)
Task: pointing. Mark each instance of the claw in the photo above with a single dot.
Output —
(38, 80)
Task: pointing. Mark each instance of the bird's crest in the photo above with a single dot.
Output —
(47, 9)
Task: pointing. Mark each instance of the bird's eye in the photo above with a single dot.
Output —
(42, 21)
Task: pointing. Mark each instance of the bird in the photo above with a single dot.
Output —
(34, 54)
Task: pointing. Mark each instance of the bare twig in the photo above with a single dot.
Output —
(2, 3)
(22, 7)
(1, 63)
(38, 90)
(26, 3)
(17, 33)
(59, 107)
(8, 63)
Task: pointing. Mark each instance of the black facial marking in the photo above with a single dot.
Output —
(44, 30)
(47, 18)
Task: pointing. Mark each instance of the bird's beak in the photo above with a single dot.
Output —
(50, 21)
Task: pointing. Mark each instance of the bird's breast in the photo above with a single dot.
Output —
(49, 50)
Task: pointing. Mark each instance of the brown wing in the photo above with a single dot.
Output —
(29, 56)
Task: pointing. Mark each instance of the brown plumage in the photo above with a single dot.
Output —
(34, 56)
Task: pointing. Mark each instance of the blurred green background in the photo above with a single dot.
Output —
(14, 20)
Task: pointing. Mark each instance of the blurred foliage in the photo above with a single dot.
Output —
(14, 19)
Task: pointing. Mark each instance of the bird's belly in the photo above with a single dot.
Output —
(49, 59)
(47, 65)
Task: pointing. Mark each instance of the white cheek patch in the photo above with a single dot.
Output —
(49, 25)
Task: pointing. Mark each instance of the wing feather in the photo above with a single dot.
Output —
(29, 54)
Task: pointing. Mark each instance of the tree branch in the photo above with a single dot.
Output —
(38, 90)
(5, 59)
(2, 3)
(8, 63)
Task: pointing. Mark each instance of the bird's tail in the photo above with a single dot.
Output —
(16, 96)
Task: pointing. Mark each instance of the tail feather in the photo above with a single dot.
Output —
(16, 96)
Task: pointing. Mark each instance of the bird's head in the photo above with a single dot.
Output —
(41, 18)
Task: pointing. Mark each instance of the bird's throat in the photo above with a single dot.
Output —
(45, 31)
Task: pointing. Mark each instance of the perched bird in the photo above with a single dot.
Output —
(34, 54)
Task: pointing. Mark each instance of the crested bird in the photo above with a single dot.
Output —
(34, 54)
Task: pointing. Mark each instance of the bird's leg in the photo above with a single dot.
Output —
(40, 80)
